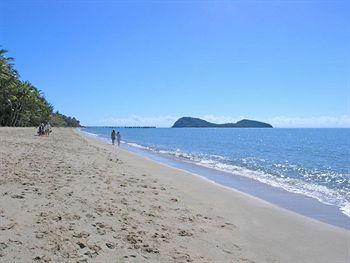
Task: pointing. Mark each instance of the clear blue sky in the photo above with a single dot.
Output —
(112, 62)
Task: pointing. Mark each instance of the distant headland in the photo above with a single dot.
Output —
(190, 122)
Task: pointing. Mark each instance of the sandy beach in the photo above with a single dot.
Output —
(70, 198)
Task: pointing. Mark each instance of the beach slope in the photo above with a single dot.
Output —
(70, 198)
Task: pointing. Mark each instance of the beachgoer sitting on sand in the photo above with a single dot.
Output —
(119, 137)
(113, 136)
(41, 129)
(47, 129)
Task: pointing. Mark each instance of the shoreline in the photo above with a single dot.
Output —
(300, 204)
(86, 201)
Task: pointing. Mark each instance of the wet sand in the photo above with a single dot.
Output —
(69, 198)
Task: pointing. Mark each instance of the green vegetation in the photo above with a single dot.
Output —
(60, 120)
(22, 104)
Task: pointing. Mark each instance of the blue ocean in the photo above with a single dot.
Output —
(311, 162)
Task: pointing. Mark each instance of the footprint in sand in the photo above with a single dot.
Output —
(16, 242)
(40, 235)
(94, 250)
(41, 259)
(228, 226)
(185, 233)
(3, 246)
(101, 231)
(162, 236)
(102, 228)
(182, 257)
(151, 250)
(134, 239)
(18, 196)
(8, 226)
(82, 234)
(57, 218)
(186, 219)
(90, 216)
(110, 245)
(81, 245)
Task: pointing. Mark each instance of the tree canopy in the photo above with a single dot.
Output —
(22, 104)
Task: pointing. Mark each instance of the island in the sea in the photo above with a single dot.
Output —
(190, 122)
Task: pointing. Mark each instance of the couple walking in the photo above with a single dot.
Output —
(114, 136)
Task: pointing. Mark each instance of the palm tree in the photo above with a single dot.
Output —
(21, 103)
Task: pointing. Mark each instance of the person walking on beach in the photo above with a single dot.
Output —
(119, 137)
(113, 136)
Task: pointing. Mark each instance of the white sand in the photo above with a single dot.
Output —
(66, 198)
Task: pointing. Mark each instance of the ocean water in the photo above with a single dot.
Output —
(311, 162)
